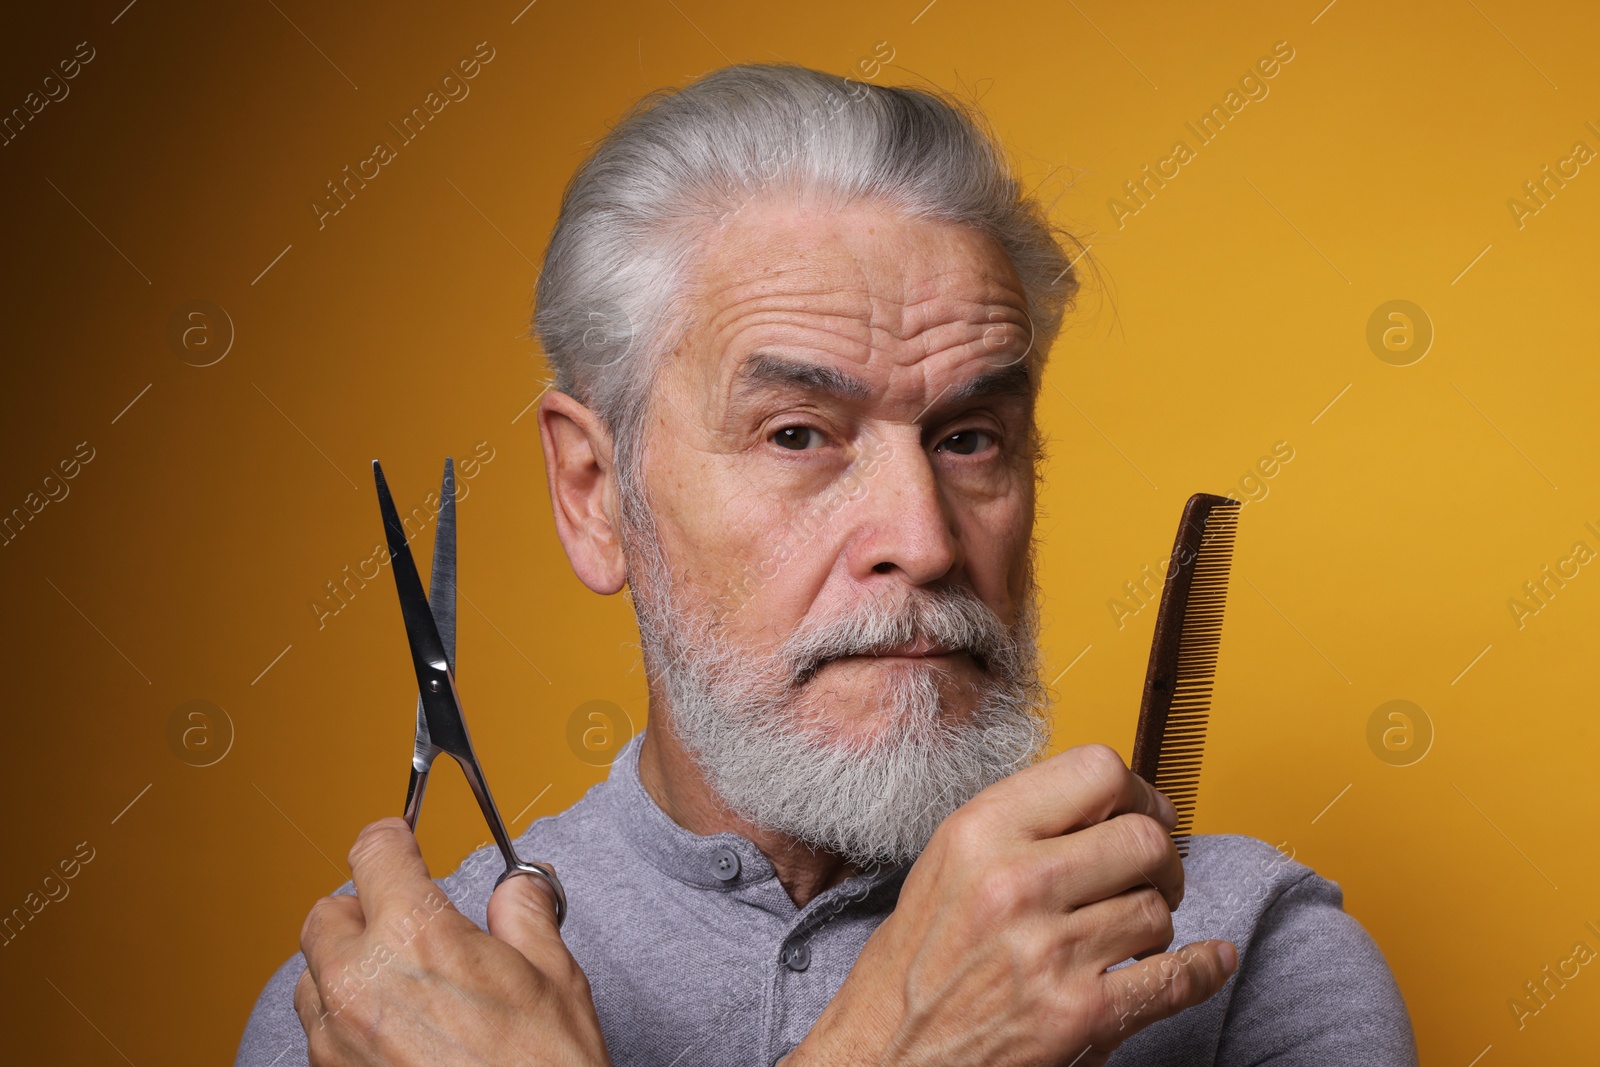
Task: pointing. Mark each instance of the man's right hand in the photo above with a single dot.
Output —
(396, 976)
(997, 952)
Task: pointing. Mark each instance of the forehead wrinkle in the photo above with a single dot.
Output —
(952, 315)
(827, 309)
(995, 291)
(838, 300)
(820, 263)
(884, 300)
(968, 321)
(779, 363)
(966, 324)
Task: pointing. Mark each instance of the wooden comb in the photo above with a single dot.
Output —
(1183, 656)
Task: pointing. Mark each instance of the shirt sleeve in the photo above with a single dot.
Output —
(1313, 988)
(273, 1036)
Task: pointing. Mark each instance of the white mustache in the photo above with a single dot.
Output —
(950, 617)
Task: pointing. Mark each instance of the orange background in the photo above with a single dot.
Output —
(1221, 318)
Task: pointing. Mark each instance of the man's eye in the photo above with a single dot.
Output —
(967, 442)
(797, 438)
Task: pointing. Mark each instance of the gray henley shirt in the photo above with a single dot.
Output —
(698, 958)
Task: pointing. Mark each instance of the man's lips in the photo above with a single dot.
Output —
(919, 649)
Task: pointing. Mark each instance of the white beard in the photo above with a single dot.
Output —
(747, 719)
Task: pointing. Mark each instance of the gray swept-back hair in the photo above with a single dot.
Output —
(612, 301)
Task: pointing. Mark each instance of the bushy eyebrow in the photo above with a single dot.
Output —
(1011, 380)
(764, 367)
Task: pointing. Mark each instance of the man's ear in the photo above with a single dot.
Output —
(578, 465)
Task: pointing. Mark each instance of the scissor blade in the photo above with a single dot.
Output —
(427, 647)
(442, 603)
(442, 583)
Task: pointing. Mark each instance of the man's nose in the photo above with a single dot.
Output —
(902, 520)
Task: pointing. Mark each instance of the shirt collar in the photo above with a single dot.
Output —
(700, 860)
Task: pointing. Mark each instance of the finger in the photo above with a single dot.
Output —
(1071, 790)
(1124, 852)
(308, 1003)
(1130, 925)
(332, 925)
(1164, 985)
(390, 875)
(522, 913)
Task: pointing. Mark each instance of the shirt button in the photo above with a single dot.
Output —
(797, 955)
(725, 864)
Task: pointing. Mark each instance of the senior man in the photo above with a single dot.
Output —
(798, 325)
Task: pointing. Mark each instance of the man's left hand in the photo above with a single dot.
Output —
(396, 975)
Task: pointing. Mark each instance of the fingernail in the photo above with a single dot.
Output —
(1229, 954)
(1169, 813)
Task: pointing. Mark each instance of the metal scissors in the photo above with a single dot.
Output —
(431, 628)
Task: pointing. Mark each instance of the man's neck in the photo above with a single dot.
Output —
(673, 780)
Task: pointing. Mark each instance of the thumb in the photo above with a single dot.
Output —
(522, 913)
(1164, 985)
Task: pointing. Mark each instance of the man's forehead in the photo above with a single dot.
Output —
(856, 286)
(841, 261)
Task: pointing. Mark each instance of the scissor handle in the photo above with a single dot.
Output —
(514, 865)
(497, 828)
(546, 872)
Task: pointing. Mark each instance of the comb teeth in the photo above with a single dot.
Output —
(1173, 715)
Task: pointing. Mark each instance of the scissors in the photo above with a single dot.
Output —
(431, 629)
